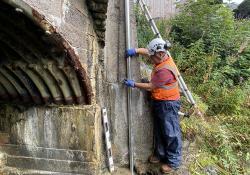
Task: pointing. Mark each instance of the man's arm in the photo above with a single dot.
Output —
(160, 78)
(134, 51)
(146, 86)
(142, 51)
(133, 84)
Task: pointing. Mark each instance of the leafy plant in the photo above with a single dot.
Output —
(212, 50)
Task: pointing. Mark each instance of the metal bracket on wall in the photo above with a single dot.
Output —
(107, 139)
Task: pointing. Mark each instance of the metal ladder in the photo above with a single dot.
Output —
(155, 30)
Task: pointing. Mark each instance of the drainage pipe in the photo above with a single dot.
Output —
(130, 130)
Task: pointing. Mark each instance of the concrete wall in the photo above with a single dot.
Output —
(62, 127)
(73, 21)
(74, 128)
(163, 8)
(113, 94)
(106, 68)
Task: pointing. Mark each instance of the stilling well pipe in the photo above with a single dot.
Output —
(128, 45)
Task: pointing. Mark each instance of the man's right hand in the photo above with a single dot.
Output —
(130, 52)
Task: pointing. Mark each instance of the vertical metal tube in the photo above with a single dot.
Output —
(130, 131)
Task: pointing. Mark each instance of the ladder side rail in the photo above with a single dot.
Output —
(190, 97)
(183, 90)
(151, 20)
(147, 17)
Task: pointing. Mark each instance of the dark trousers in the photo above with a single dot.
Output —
(167, 132)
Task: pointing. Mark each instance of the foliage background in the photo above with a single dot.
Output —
(212, 51)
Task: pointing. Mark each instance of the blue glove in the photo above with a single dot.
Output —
(129, 83)
(130, 52)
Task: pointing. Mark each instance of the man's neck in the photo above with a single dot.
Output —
(164, 59)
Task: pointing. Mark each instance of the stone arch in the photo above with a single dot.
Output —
(37, 65)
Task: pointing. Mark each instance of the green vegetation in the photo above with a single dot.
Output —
(212, 51)
(223, 143)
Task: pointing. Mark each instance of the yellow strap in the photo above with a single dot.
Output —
(172, 86)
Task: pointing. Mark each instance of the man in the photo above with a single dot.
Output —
(165, 95)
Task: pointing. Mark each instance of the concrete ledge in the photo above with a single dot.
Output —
(51, 165)
(19, 171)
(46, 153)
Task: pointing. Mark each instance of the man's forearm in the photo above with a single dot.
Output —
(146, 86)
(142, 51)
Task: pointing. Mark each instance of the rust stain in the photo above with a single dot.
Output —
(40, 19)
(72, 58)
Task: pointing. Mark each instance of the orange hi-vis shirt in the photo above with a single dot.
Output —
(169, 91)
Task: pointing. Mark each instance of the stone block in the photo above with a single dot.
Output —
(75, 36)
(97, 7)
(97, 15)
(84, 168)
(55, 127)
(77, 19)
(80, 5)
(52, 9)
(101, 1)
(100, 24)
(19, 171)
(4, 138)
(46, 153)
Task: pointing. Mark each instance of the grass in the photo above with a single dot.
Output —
(223, 143)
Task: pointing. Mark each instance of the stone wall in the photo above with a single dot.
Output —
(79, 127)
(73, 21)
(163, 8)
(47, 132)
(60, 127)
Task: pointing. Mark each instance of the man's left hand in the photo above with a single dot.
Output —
(130, 52)
(129, 83)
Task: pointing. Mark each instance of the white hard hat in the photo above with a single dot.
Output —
(156, 45)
